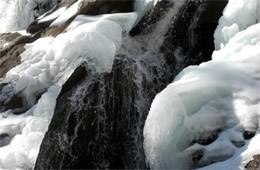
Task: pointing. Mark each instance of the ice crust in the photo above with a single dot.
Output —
(220, 96)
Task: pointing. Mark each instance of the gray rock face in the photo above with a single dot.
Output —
(99, 118)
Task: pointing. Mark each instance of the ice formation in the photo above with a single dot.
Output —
(217, 97)
(237, 16)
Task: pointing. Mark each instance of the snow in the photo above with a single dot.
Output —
(220, 96)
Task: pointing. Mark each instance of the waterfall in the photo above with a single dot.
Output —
(18, 14)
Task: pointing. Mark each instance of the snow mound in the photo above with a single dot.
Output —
(216, 100)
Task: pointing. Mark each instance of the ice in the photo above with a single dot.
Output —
(48, 59)
(237, 16)
(217, 97)
(125, 20)
(67, 14)
(142, 6)
(53, 15)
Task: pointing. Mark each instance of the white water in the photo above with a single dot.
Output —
(18, 14)
(222, 94)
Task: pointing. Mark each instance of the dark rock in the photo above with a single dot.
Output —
(35, 27)
(90, 7)
(254, 164)
(5, 139)
(75, 78)
(248, 134)
(207, 138)
(148, 22)
(196, 156)
(194, 37)
(16, 103)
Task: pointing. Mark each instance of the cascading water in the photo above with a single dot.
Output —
(18, 14)
(106, 129)
(101, 109)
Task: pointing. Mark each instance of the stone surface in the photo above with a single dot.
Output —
(254, 164)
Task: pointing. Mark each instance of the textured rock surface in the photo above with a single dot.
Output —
(254, 164)
(10, 53)
(99, 118)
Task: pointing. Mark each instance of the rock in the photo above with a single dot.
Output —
(207, 138)
(5, 139)
(11, 59)
(35, 27)
(193, 38)
(56, 30)
(254, 164)
(196, 157)
(248, 134)
(148, 22)
(96, 7)
(10, 54)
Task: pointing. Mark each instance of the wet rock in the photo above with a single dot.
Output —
(254, 164)
(148, 22)
(193, 38)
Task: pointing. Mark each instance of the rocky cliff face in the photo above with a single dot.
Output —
(99, 118)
